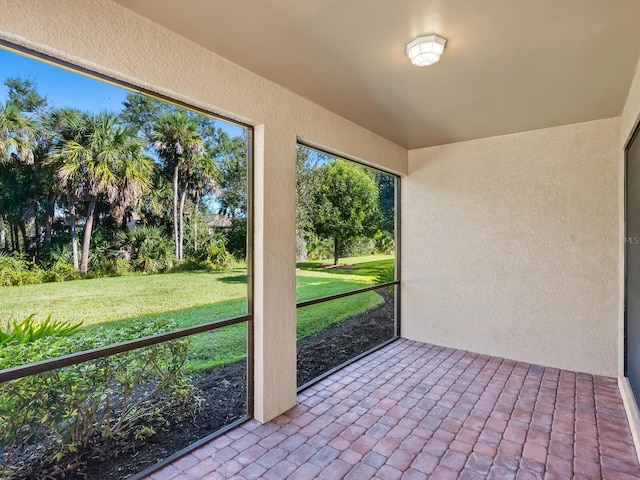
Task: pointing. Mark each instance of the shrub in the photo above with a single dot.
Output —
(386, 275)
(61, 271)
(319, 249)
(16, 270)
(218, 258)
(359, 246)
(384, 243)
(151, 250)
(122, 266)
(51, 422)
(29, 330)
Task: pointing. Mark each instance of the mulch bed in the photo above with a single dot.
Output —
(335, 345)
(224, 390)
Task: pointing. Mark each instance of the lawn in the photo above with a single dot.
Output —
(193, 298)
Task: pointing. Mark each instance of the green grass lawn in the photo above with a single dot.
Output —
(193, 298)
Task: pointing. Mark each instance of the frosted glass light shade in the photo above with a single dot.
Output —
(424, 51)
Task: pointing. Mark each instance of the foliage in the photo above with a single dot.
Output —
(176, 139)
(386, 201)
(236, 238)
(359, 246)
(24, 94)
(346, 204)
(30, 330)
(149, 248)
(231, 155)
(97, 409)
(66, 175)
(217, 257)
(122, 266)
(319, 248)
(61, 272)
(386, 275)
(384, 242)
(16, 270)
(100, 160)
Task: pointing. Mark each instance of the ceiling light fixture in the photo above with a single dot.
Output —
(425, 51)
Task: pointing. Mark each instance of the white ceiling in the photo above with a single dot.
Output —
(509, 65)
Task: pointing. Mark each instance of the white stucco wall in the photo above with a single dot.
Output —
(106, 38)
(510, 246)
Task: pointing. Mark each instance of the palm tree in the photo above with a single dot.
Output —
(16, 135)
(204, 179)
(175, 137)
(100, 159)
(17, 145)
(67, 125)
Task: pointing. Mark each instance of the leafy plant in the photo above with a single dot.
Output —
(151, 250)
(218, 258)
(30, 330)
(61, 271)
(98, 409)
(386, 275)
(384, 243)
(16, 270)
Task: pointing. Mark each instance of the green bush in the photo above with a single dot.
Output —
(16, 270)
(53, 421)
(61, 271)
(30, 330)
(122, 266)
(359, 246)
(218, 258)
(386, 275)
(319, 249)
(384, 243)
(151, 251)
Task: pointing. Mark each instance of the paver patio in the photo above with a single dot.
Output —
(416, 411)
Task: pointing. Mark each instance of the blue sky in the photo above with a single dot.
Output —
(66, 89)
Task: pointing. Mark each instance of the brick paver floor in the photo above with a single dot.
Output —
(416, 411)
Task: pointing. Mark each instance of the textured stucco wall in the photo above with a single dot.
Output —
(510, 246)
(106, 38)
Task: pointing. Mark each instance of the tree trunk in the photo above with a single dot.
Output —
(26, 241)
(74, 235)
(195, 223)
(38, 232)
(336, 251)
(15, 240)
(183, 197)
(86, 241)
(175, 212)
(48, 225)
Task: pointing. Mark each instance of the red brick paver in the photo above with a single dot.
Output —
(413, 410)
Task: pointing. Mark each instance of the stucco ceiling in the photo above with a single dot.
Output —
(509, 65)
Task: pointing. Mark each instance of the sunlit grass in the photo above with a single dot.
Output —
(194, 298)
(106, 299)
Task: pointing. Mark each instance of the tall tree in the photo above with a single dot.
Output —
(24, 94)
(387, 201)
(17, 145)
(346, 204)
(176, 139)
(102, 159)
(231, 157)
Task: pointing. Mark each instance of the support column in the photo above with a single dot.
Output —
(274, 195)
